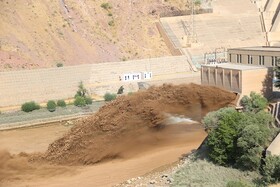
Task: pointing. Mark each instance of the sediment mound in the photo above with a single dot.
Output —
(121, 122)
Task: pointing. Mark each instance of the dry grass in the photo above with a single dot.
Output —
(203, 173)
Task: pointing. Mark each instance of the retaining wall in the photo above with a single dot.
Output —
(40, 85)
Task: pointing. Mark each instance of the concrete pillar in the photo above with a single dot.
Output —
(209, 75)
(230, 79)
(223, 79)
(241, 91)
(216, 70)
(201, 74)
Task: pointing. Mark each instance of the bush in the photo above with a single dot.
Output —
(111, 23)
(51, 106)
(61, 103)
(59, 65)
(88, 100)
(30, 106)
(106, 6)
(110, 96)
(80, 101)
(120, 90)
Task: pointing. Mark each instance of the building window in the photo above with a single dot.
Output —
(274, 61)
(250, 59)
(229, 57)
(239, 59)
(261, 60)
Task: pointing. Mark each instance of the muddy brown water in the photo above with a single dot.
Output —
(126, 138)
(147, 152)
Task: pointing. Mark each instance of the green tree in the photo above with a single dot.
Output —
(82, 91)
(222, 140)
(254, 103)
(271, 169)
(210, 121)
(251, 143)
(238, 139)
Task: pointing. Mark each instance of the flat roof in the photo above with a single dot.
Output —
(259, 48)
(234, 66)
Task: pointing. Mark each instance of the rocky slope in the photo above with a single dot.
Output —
(44, 33)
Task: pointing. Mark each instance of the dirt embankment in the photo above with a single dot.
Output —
(130, 121)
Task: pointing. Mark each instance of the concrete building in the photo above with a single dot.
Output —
(238, 78)
(260, 56)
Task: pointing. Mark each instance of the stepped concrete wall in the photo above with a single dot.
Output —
(40, 85)
(232, 24)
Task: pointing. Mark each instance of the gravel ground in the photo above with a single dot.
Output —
(20, 117)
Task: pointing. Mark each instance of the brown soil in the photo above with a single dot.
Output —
(117, 125)
(128, 137)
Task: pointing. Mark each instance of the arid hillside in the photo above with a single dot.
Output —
(37, 33)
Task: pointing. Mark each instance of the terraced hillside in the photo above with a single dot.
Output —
(42, 33)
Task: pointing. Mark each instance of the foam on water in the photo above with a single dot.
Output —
(173, 119)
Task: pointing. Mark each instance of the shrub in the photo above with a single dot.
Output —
(110, 96)
(59, 65)
(120, 90)
(61, 103)
(30, 106)
(88, 100)
(106, 6)
(80, 101)
(51, 106)
(111, 23)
